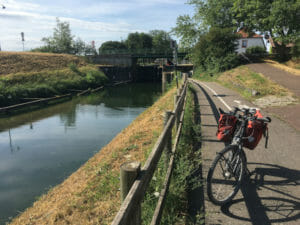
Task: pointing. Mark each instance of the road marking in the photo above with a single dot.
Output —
(216, 94)
(222, 100)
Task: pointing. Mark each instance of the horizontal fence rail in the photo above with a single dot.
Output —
(132, 203)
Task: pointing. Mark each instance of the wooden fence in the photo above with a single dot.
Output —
(134, 181)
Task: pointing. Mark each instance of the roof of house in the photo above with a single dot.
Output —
(244, 34)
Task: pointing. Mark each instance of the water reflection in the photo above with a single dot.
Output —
(11, 146)
(40, 149)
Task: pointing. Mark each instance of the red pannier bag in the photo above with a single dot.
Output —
(226, 127)
(254, 131)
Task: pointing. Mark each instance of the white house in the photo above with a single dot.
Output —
(246, 41)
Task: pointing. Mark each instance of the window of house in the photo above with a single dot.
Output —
(244, 43)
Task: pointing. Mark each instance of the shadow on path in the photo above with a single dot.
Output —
(276, 205)
(268, 210)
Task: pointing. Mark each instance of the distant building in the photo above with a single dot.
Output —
(249, 40)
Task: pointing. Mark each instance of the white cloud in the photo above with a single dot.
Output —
(99, 20)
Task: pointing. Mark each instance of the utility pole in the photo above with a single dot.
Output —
(3, 7)
(174, 47)
(22, 35)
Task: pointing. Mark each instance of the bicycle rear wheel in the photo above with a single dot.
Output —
(225, 175)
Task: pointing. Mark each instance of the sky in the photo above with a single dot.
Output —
(98, 20)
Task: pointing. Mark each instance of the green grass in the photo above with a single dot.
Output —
(205, 76)
(15, 87)
(186, 161)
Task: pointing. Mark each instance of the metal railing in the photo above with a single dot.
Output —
(141, 52)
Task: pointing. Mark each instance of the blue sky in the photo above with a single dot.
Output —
(98, 20)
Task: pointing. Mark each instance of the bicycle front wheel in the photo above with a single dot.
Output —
(225, 175)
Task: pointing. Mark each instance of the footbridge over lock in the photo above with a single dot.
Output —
(130, 58)
(140, 65)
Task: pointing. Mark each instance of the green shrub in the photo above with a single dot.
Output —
(73, 67)
(296, 49)
(256, 50)
(215, 50)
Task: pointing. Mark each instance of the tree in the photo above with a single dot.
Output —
(112, 46)
(79, 47)
(161, 41)
(279, 18)
(62, 40)
(90, 50)
(208, 13)
(139, 41)
(188, 30)
(215, 50)
(146, 41)
(214, 13)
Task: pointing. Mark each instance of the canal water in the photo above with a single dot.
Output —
(39, 149)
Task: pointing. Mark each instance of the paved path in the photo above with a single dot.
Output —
(290, 113)
(272, 196)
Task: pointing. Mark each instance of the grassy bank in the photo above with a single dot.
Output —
(16, 87)
(245, 82)
(15, 62)
(91, 195)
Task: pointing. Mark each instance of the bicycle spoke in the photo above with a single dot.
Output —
(225, 176)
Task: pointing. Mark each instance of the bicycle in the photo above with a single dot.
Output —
(229, 167)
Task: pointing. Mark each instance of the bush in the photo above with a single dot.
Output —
(296, 49)
(215, 50)
(256, 50)
(73, 67)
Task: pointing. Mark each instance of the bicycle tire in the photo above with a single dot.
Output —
(236, 171)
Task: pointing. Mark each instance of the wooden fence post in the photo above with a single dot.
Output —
(129, 173)
(168, 145)
(176, 98)
(164, 81)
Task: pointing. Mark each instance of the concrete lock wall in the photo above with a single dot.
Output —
(136, 74)
(117, 60)
(117, 73)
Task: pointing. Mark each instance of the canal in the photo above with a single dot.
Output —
(40, 149)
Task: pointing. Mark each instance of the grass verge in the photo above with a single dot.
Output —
(245, 82)
(292, 66)
(187, 160)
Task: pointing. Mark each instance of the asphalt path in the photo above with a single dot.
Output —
(272, 195)
(289, 113)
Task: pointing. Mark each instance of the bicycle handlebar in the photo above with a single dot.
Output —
(247, 111)
(265, 120)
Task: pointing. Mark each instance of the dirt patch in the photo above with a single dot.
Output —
(272, 100)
